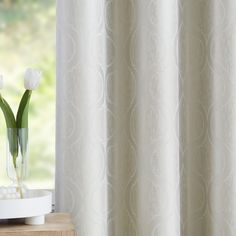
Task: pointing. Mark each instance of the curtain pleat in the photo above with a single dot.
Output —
(146, 115)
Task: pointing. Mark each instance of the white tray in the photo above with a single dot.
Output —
(32, 209)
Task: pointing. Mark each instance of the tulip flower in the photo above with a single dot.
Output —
(32, 78)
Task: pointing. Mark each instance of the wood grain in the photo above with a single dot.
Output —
(57, 224)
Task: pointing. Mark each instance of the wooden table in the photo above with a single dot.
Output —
(57, 224)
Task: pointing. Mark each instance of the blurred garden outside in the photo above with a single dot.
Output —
(27, 39)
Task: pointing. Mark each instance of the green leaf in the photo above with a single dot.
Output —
(22, 113)
(8, 114)
(12, 135)
(11, 125)
(22, 121)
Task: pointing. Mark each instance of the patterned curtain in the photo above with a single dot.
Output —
(146, 116)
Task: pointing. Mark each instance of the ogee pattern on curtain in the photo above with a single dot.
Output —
(146, 116)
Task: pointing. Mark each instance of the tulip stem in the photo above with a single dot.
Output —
(19, 188)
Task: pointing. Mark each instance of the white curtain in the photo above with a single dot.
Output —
(146, 116)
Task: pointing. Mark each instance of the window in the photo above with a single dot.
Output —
(27, 39)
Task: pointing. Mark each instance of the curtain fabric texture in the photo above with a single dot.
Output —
(146, 116)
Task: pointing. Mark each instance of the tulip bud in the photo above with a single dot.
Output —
(1, 81)
(32, 78)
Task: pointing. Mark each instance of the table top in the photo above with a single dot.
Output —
(54, 222)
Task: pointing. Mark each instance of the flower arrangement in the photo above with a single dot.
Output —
(17, 126)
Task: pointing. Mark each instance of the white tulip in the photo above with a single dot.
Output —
(1, 81)
(32, 78)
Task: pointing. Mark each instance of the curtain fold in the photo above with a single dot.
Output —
(146, 116)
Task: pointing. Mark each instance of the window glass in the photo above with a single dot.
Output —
(27, 39)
